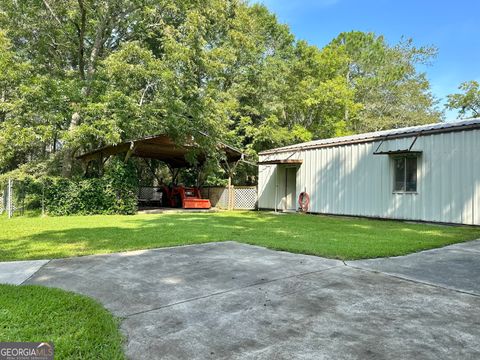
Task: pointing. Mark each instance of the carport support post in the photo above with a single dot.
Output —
(231, 190)
(230, 193)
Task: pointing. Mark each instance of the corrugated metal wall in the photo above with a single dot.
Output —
(350, 180)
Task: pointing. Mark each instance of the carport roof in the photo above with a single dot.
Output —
(159, 147)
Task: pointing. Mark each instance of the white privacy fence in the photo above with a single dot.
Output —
(238, 197)
(245, 198)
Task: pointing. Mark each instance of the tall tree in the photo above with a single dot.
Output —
(386, 82)
(17, 141)
(65, 40)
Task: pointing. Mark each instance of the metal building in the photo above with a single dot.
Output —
(429, 173)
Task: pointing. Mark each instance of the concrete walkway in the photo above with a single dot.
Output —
(235, 301)
(16, 272)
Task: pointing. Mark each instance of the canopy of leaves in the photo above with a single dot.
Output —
(468, 101)
(79, 74)
(386, 83)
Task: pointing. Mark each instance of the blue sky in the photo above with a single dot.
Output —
(452, 26)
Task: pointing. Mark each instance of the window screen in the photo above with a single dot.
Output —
(405, 174)
(399, 174)
(411, 174)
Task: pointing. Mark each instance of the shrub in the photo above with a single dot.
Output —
(114, 193)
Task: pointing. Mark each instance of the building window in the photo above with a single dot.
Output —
(405, 174)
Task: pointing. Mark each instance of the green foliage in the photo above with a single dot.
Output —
(386, 85)
(468, 101)
(27, 186)
(114, 193)
(87, 197)
(270, 133)
(97, 72)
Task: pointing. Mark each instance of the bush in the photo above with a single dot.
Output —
(114, 193)
(88, 197)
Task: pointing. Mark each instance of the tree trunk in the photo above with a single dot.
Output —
(81, 39)
(346, 117)
(3, 114)
(68, 154)
(100, 38)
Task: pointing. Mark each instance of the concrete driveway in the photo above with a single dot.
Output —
(455, 267)
(235, 301)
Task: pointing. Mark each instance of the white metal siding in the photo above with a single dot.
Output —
(350, 180)
(266, 186)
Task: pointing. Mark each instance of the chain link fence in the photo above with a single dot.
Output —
(19, 198)
(3, 199)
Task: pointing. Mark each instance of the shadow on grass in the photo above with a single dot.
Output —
(334, 237)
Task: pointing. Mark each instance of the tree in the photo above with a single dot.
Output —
(318, 94)
(70, 39)
(96, 72)
(16, 140)
(468, 101)
(385, 81)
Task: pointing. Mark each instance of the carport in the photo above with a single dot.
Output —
(165, 149)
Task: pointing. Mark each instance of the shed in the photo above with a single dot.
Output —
(424, 173)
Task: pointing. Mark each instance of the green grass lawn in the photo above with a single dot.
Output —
(333, 237)
(79, 327)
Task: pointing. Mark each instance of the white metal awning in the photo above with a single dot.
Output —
(280, 161)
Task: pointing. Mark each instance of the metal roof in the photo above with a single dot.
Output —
(160, 147)
(381, 135)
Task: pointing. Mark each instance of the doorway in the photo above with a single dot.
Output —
(290, 188)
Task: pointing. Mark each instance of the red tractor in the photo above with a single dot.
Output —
(178, 196)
